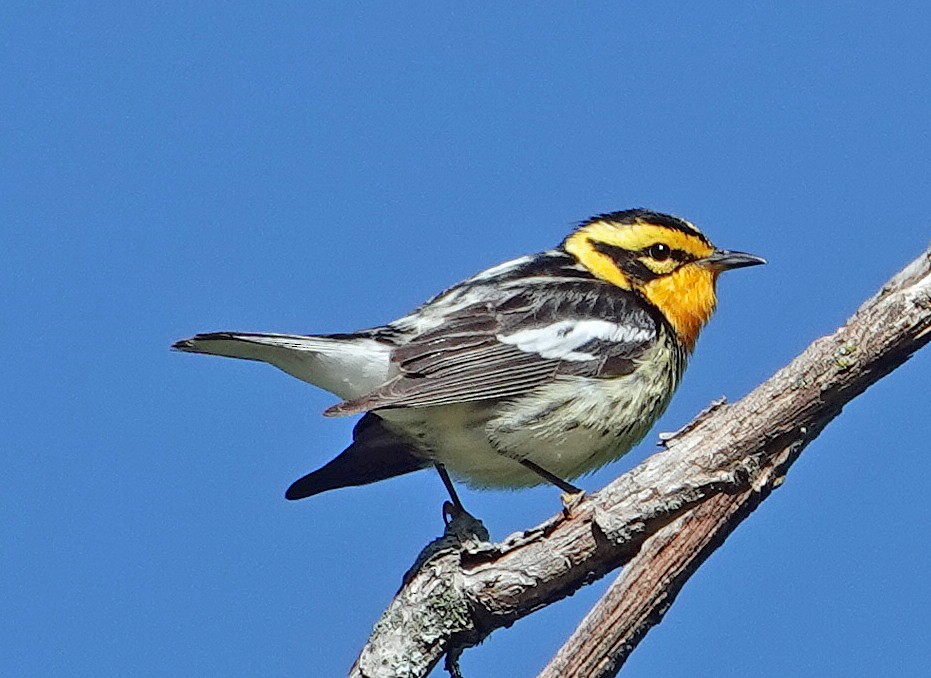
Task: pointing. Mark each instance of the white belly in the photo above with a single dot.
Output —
(569, 427)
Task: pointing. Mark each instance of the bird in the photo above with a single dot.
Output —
(538, 370)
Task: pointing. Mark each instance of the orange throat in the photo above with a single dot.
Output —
(687, 299)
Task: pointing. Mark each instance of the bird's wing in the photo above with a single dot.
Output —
(506, 347)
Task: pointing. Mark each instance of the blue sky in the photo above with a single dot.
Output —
(169, 168)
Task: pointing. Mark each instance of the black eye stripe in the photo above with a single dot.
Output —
(677, 255)
(630, 261)
(627, 260)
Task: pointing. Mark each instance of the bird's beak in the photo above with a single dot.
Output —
(725, 260)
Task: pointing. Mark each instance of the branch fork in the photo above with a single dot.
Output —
(660, 520)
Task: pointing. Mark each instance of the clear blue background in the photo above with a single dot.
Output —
(168, 168)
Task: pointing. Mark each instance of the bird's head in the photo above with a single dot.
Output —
(664, 259)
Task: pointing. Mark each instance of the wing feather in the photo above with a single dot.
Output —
(506, 348)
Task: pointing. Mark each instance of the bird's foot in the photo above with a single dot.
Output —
(463, 531)
(570, 500)
(462, 525)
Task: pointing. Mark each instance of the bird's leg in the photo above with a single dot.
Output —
(571, 495)
(444, 476)
(568, 488)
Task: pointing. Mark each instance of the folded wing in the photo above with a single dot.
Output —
(492, 350)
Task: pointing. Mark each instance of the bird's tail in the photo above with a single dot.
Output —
(348, 365)
(375, 454)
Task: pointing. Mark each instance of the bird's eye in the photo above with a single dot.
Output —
(659, 251)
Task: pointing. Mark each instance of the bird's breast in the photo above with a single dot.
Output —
(570, 426)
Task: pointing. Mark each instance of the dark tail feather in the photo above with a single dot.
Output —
(375, 454)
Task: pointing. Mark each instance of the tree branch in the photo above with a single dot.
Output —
(664, 517)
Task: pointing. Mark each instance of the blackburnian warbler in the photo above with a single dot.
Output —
(540, 369)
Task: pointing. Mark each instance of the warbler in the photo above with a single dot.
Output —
(541, 369)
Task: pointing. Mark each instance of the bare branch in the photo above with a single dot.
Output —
(649, 583)
(664, 517)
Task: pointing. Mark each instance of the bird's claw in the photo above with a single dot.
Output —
(570, 500)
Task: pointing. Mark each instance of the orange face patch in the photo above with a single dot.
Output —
(686, 297)
(684, 293)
